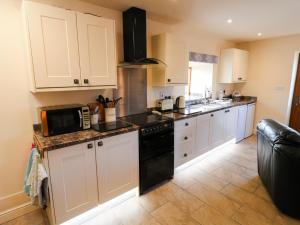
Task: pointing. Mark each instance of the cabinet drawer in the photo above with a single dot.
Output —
(182, 136)
(185, 124)
(183, 152)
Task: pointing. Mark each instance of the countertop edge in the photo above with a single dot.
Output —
(75, 138)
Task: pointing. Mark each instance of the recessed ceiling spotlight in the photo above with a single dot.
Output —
(259, 34)
(229, 21)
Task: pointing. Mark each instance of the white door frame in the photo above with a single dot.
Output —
(292, 86)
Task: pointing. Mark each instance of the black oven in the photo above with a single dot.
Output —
(156, 154)
(64, 119)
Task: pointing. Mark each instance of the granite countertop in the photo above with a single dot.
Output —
(243, 101)
(64, 140)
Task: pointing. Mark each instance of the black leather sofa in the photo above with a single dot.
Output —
(278, 151)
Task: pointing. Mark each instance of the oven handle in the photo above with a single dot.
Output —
(80, 118)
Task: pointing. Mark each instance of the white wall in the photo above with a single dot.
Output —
(18, 110)
(269, 78)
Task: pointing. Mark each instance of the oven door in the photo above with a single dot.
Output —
(155, 170)
(156, 144)
(64, 121)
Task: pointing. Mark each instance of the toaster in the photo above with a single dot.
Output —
(165, 104)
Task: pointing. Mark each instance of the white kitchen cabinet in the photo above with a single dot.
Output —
(117, 165)
(69, 50)
(96, 37)
(202, 134)
(241, 123)
(233, 66)
(172, 51)
(216, 128)
(230, 123)
(185, 131)
(53, 43)
(73, 180)
(249, 120)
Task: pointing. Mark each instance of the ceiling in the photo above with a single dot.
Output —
(272, 18)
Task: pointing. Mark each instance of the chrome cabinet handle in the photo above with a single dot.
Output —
(100, 143)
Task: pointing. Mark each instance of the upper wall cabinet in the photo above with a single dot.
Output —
(174, 53)
(69, 50)
(233, 66)
(96, 37)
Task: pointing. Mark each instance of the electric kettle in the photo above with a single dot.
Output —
(180, 102)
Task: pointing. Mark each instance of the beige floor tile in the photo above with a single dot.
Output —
(214, 199)
(209, 180)
(170, 214)
(281, 219)
(185, 178)
(105, 218)
(234, 178)
(33, 218)
(262, 192)
(246, 198)
(247, 216)
(132, 213)
(209, 216)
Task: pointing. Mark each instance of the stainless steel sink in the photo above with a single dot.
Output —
(199, 108)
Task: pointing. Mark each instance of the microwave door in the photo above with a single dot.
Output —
(64, 121)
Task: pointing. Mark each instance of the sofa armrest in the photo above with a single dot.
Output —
(278, 133)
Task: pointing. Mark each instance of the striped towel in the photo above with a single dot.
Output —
(36, 180)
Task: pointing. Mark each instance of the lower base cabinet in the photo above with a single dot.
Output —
(198, 135)
(230, 123)
(73, 180)
(117, 165)
(184, 140)
(202, 134)
(85, 175)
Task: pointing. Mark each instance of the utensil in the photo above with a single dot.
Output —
(115, 101)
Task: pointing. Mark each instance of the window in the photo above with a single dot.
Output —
(200, 80)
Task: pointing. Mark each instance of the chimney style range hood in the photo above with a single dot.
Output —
(135, 40)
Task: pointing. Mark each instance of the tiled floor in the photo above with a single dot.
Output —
(222, 189)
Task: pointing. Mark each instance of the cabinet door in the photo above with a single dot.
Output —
(216, 128)
(97, 48)
(177, 60)
(250, 120)
(230, 123)
(241, 123)
(240, 65)
(117, 165)
(73, 180)
(202, 134)
(53, 44)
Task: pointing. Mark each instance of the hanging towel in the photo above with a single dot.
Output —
(36, 180)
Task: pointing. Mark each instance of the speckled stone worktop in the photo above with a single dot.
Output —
(64, 140)
(243, 101)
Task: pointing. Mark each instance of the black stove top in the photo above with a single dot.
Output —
(146, 119)
(108, 126)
